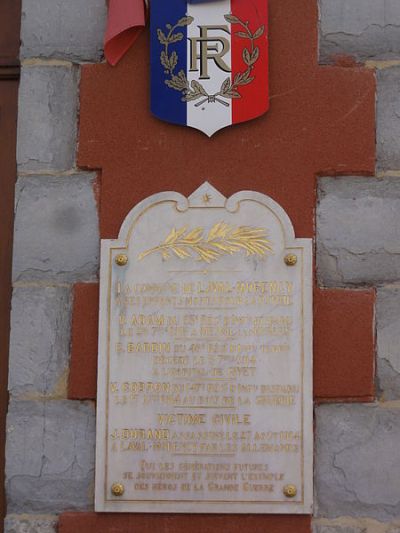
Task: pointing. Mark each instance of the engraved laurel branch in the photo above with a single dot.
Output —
(222, 239)
(196, 90)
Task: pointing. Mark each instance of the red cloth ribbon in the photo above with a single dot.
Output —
(126, 20)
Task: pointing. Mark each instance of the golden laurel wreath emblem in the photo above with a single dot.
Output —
(222, 239)
(196, 90)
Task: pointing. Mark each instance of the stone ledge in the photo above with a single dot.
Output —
(318, 528)
(30, 524)
(354, 525)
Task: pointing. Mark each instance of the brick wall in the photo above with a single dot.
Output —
(324, 117)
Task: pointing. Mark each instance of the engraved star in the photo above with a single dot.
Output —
(206, 198)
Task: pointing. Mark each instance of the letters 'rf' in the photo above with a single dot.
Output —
(209, 62)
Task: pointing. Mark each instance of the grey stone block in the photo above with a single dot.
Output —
(388, 343)
(357, 462)
(56, 229)
(388, 118)
(318, 528)
(30, 524)
(358, 228)
(364, 29)
(72, 30)
(47, 118)
(39, 344)
(50, 456)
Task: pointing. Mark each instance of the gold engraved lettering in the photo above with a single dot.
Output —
(231, 419)
(253, 487)
(144, 347)
(228, 487)
(181, 419)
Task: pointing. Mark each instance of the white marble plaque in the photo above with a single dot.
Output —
(205, 359)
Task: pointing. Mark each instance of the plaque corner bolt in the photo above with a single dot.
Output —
(291, 259)
(290, 491)
(117, 489)
(121, 260)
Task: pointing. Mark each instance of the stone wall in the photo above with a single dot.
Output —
(358, 244)
(51, 436)
(50, 443)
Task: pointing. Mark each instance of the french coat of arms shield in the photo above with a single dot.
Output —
(209, 62)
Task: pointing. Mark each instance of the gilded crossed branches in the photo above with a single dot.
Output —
(222, 239)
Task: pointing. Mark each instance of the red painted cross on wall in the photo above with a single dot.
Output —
(321, 122)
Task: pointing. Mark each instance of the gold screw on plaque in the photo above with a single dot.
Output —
(117, 489)
(290, 491)
(121, 260)
(291, 259)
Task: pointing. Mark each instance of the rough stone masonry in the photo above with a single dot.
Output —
(50, 440)
(358, 244)
(50, 443)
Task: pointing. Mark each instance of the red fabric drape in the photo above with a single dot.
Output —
(126, 19)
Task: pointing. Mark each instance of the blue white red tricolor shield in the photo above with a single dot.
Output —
(209, 62)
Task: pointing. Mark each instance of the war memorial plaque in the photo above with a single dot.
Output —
(205, 359)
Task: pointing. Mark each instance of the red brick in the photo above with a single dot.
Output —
(83, 370)
(343, 60)
(344, 345)
(140, 523)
